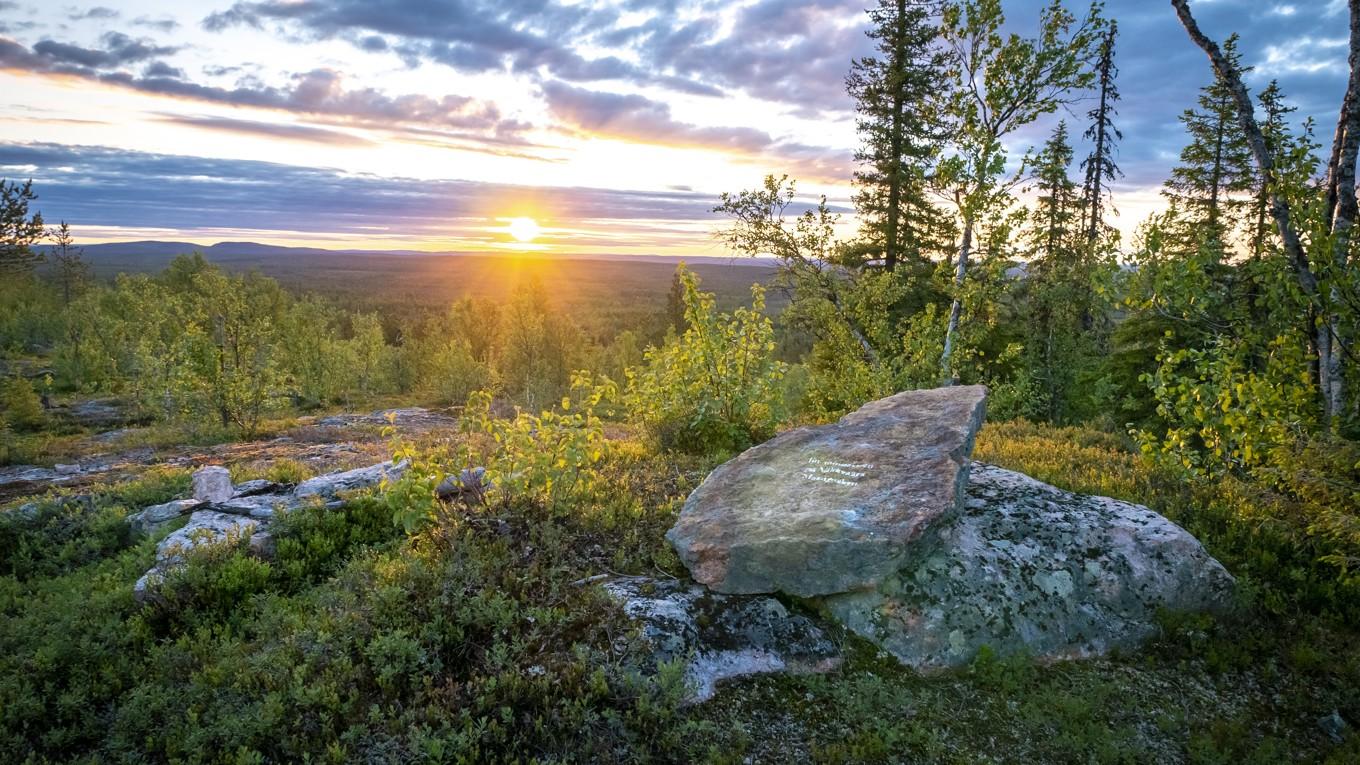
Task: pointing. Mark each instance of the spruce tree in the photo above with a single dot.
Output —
(69, 267)
(1212, 184)
(892, 92)
(1275, 131)
(1099, 166)
(19, 230)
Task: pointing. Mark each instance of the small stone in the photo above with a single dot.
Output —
(262, 506)
(213, 484)
(470, 486)
(1335, 726)
(262, 545)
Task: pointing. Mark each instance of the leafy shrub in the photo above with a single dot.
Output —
(546, 459)
(716, 388)
(20, 406)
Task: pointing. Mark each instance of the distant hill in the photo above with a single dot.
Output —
(599, 291)
(153, 252)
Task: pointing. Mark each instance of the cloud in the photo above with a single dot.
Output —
(162, 69)
(320, 93)
(531, 37)
(637, 119)
(162, 24)
(1305, 55)
(268, 129)
(99, 12)
(99, 186)
(118, 50)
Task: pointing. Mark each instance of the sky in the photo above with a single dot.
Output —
(432, 124)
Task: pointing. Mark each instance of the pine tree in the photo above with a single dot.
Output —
(892, 92)
(1099, 166)
(69, 267)
(19, 230)
(1211, 185)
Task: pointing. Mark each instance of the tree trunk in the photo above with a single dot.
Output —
(955, 310)
(892, 246)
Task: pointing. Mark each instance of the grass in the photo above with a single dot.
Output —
(469, 643)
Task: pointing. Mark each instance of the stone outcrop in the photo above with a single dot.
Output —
(331, 485)
(223, 513)
(205, 527)
(721, 637)
(1029, 568)
(821, 510)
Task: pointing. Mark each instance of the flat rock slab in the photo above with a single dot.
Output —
(721, 637)
(1029, 568)
(331, 485)
(830, 509)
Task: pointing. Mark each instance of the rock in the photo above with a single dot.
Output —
(205, 528)
(66, 469)
(261, 506)
(470, 485)
(257, 486)
(721, 636)
(261, 545)
(152, 518)
(821, 510)
(213, 484)
(1335, 726)
(1029, 568)
(329, 486)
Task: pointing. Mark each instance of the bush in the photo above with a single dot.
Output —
(20, 406)
(717, 388)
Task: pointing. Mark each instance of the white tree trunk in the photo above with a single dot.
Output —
(965, 245)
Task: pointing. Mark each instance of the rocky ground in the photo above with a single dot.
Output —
(320, 444)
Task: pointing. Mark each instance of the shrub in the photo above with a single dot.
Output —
(20, 406)
(716, 388)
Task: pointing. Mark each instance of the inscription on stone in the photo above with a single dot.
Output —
(831, 471)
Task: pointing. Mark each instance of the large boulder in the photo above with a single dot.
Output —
(830, 509)
(1029, 568)
(720, 637)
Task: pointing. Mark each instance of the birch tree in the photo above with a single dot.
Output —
(1001, 83)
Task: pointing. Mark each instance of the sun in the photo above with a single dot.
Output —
(524, 229)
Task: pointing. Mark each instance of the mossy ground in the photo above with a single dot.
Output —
(470, 643)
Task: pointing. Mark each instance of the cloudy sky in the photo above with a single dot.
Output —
(429, 124)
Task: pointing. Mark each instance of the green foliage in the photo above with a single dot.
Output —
(19, 230)
(20, 406)
(548, 460)
(536, 348)
(715, 388)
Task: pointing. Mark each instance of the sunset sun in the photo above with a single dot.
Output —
(524, 229)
